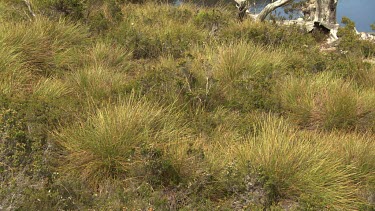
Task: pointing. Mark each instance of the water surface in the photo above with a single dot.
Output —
(362, 12)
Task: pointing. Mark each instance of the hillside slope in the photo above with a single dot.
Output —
(125, 105)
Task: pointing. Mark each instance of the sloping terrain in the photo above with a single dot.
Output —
(125, 105)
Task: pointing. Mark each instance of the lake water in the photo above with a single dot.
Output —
(362, 12)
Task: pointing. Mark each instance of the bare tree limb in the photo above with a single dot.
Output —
(240, 2)
(267, 10)
(271, 7)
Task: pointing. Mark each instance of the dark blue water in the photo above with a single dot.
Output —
(362, 12)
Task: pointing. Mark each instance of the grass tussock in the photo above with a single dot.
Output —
(51, 89)
(327, 102)
(227, 115)
(97, 83)
(14, 78)
(42, 46)
(246, 72)
(114, 141)
(108, 56)
(291, 164)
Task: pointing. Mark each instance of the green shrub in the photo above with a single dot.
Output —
(210, 18)
(15, 146)
(24, 151)
(268, 34)
(238, 75)
(351, 43)
(13, 11)
(351, 68)
(104, 15)
(73, 8)
(162, 82)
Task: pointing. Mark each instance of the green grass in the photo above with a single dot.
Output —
(118, 105)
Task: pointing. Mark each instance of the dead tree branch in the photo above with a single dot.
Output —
(28, 4)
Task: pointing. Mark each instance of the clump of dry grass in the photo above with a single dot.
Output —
(42, 45)
(117, 139)
(295, 165)
(326, 102)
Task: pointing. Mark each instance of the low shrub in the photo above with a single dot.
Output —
(351, 43)
(212, 18)
(268, 34)
(74, 9)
